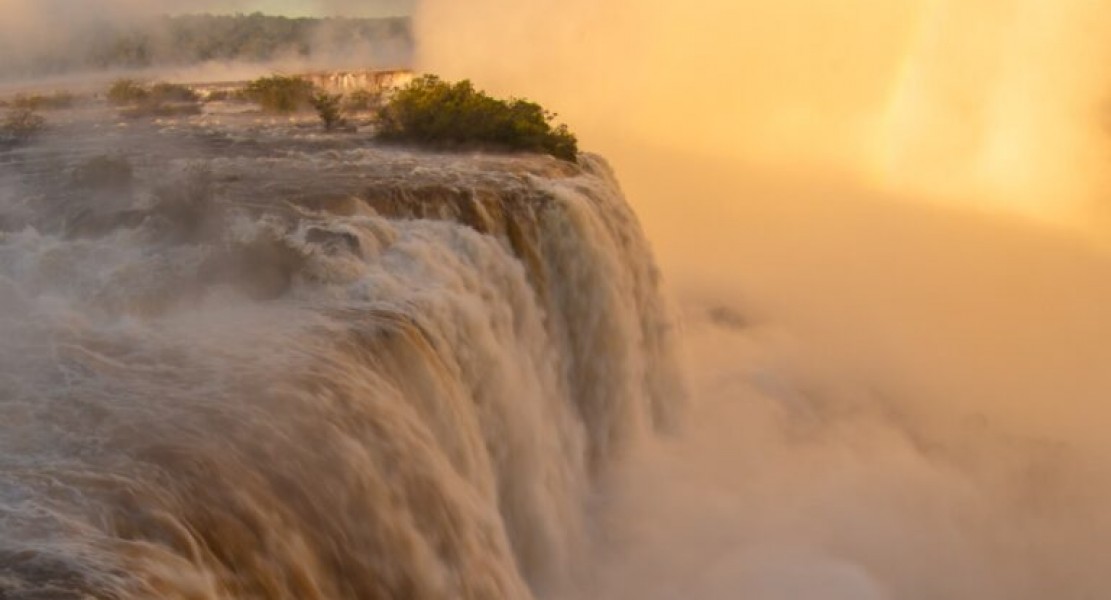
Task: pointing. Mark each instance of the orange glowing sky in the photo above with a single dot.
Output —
(995, 104)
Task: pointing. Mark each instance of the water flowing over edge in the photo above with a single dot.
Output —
(314, 370)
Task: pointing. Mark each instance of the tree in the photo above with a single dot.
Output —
(157, 100)
(127, 91)
(431, 111)
(328, 107)
(362, 101)
(280, 93)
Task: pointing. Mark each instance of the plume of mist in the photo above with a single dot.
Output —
(362, 8)
(871, 213)
(1001, 104)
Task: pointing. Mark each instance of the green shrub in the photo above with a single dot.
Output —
(172, 92)
(431, 111)
(55, 101)
(328, 107)
(279, 93)
(130, 92)
(33, 102)
(157, 100)
(20, 125)
(362, 101)
(127, 91)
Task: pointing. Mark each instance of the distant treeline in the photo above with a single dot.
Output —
(195, 39)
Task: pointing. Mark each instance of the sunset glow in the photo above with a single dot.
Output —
(989, 104)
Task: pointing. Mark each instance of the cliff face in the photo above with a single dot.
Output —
(266, 361)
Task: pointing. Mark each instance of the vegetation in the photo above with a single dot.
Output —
(20, 125)
(362, 101)
(127, 91)
(280, 93)
(157, 100)
(172, 92)
(286, 94)
(194, 39)
(55, 101)
(328, 107)
(434, 112)
(219, 96)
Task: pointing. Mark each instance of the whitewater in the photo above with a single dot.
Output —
(886, 227)
(259, 361)
(240, 358)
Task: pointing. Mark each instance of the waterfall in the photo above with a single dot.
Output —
(290, 371)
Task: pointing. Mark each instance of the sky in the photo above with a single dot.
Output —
(992, 104)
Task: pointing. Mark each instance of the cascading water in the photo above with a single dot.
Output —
(308, 369)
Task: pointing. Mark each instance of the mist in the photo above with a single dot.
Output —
(61, 41)
(885, 225)
(997, 104)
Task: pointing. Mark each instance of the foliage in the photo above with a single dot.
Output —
(157, 100)
(55, 101)
(280, 93)
(328, 107)
(431, 111)
(218, 96)
(20, 125)
(362, 101)
(193, 39)
(257, 37)
(127, 91)
(172, 92)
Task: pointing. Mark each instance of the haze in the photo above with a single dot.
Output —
(886, 225)
(33, 29)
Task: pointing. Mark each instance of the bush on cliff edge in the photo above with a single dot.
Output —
(433, 112)
(280, 93)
